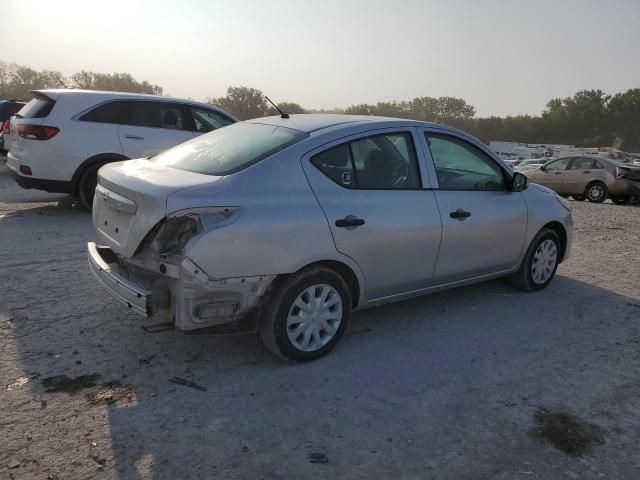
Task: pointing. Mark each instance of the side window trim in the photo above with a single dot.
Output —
(431, 166)
(348, 140)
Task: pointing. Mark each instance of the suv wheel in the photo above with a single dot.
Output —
(540, 262)
(306, 315)
(87, 185)
(596, 192)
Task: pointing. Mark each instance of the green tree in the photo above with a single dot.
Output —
(624, 114)
(243, 102)
(114, 82)
(580, 120)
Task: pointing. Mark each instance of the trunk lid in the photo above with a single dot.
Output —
(131, 198)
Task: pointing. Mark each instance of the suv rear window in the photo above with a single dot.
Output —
(39, 107)
(230, 149)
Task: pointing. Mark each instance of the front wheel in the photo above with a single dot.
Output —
(596, 192)
(540, 262)
(306, 315)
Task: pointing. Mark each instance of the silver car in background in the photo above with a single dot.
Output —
(285, 225)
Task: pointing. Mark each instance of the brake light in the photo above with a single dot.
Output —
(37, 132)
(5, 126)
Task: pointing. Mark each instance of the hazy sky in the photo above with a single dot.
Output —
(502, 56)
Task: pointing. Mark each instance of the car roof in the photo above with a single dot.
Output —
(57, 92)
(313, 122)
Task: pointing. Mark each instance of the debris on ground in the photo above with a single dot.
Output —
(187, 383)
(13, 463)
(567, 432)
(111, 392)
(20, 381)
(317, 457)
(62, 383)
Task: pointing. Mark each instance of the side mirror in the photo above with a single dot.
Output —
(519, 182)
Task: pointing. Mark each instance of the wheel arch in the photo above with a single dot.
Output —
(89, 162)
(559, 230)
(346, 273)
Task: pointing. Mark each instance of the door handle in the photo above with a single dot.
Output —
(460, 214)
(349, 221)
(558, 173)
(134, 137)
(586, 171)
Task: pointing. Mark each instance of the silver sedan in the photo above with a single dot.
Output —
(285, 225)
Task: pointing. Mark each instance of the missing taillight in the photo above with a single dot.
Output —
(37, 132)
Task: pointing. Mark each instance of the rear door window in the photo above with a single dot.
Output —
(110, 112)
(379, 162)
(171, 116)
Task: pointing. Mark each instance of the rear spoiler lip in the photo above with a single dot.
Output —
(43, 95)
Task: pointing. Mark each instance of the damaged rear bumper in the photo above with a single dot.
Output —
(135, 297)
(181, 292)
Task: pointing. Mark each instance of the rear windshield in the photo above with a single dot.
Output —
(39, 107)
(229, 149)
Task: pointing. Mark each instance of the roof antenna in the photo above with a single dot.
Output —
(282, 114)
(58, 78)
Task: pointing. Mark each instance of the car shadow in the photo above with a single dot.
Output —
(445, 383)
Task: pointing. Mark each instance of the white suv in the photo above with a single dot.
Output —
(61, 138)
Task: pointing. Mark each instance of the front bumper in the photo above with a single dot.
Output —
(135, 297)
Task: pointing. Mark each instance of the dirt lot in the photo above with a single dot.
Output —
(481, 382)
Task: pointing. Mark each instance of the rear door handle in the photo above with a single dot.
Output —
(558, 173)
(586, 171)
(349, 221)
(134, 137)
(460, 214)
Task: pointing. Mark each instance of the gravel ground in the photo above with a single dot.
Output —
(456, 385)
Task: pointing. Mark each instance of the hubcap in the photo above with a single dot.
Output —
(544, 261)
(596, 192)
(314, 317)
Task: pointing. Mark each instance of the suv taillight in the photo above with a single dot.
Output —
(37, 132)
(5, 126)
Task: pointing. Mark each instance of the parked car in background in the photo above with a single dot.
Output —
(595, 179)
(62, 137)
(7, 109)
(286, 225)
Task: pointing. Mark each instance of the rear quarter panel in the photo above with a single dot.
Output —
(281, 227)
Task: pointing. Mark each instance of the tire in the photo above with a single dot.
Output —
(621, 200)
(524, 278)
(579, 198)
(87, 185)
(279, 320)
(596, 192)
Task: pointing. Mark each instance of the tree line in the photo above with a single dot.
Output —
(590, 118)
(16, 81)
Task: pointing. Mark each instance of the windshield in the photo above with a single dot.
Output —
(229, 149)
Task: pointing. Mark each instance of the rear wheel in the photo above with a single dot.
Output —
(621, 200)
(306, 315)
(87, 185)
(540, 262)
(596, 192)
